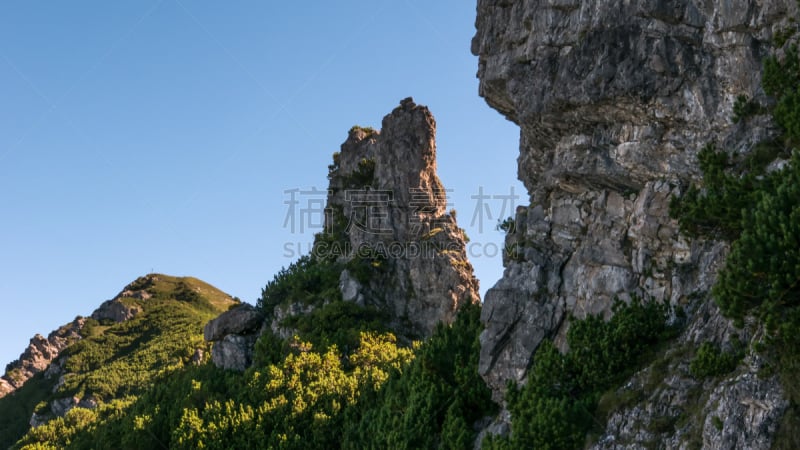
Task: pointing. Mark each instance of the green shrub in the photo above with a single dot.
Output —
(16, 409)
(762, 271)
(711, 361)
(780, 80)
(362, 177)
(759, 214)
(367, 130)
(554, 410)
(309, 281)
(434, 402)
(507, 225)
(334, 166)
(743, 108)
(715, 209)
(337, 323)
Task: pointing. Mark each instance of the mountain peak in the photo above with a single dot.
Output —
(154, 324)
(389, 208)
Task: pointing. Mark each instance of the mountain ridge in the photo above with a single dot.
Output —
(65, 368)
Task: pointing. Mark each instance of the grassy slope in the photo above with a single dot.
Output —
(119, 359)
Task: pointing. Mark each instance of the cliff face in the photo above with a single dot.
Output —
(388, 226)
(614, 100)
(401, 217)
(234, 334)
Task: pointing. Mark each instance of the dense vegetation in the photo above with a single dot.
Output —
(555, 409)
(757, 209)
(342, 382)
(16, 409)
(118, 360)
(346, 381)
(314, 282)
(377, 395)
(306, 281)
(434, 402)
(710, 361)
(310, 399)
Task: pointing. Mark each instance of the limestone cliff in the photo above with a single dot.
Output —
(396, 216)
(387, 224)
(388, 237)
(614, 100)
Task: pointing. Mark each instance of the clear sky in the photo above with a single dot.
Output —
(163, 135)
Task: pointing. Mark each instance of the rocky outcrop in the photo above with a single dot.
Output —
(388, 210)
(281, 313)
(40, 353)
(59, 408)
(116, 311)
(244, 319)
(234, 352)
(234, 334)
(119, 309)
(614, 100)
(388, 229)
(672, 408)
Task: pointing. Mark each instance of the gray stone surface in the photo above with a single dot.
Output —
(749, 410)
(283, 312)
(614, 100)
(674, 410)
(234, 334)
(116, 310)
(119, 309)
(40, 353)
(234, 352)
(427, 274)
(244, 319)
(60, 407)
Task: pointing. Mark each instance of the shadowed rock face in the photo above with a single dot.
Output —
(243, 319)
(426, 276)
(234, 334)
(614, 100)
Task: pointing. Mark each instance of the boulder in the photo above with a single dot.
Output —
(244, 319)
(234, 352)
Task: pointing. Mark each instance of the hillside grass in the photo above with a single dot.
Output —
(119, 360)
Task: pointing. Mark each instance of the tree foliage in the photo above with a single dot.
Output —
(711, 361)
(115, 362)
(307, 281)
(763, 269)
(298, 395)
(759, 214)
(434, 402)
(715, 208)
(554, 409)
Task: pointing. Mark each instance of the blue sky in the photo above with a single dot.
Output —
(162, 136)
